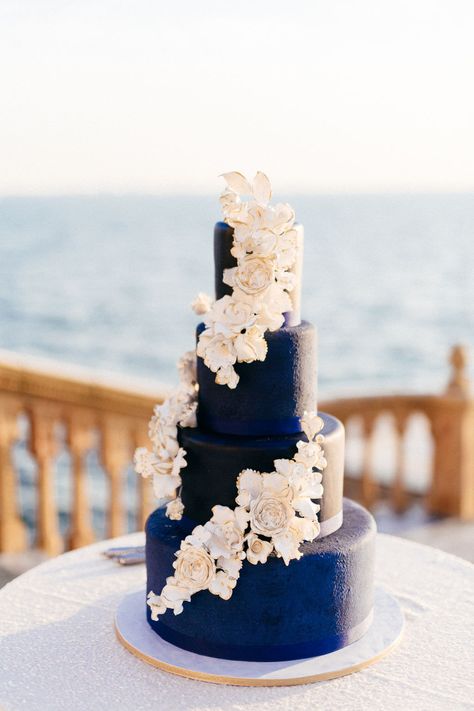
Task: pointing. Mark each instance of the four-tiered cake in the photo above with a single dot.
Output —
(257, 540)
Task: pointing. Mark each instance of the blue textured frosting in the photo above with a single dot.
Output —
(271, 395)
(315, 605)
(215, 460)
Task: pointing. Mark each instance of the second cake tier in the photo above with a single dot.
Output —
(272, 395)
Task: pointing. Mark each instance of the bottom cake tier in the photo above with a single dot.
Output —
(313, 606)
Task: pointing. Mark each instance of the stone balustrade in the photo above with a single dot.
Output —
(112, 418)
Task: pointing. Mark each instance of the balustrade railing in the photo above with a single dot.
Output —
(112, 419)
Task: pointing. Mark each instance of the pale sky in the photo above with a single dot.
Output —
(144, 95)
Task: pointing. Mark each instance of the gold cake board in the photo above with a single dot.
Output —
(136, 635)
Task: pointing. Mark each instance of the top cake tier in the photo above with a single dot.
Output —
(223, 259)
(272, 395)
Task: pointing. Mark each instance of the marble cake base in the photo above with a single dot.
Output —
(136, 635)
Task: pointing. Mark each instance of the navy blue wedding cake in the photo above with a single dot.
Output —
(256, 556)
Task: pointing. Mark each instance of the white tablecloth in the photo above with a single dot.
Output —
(58, 649)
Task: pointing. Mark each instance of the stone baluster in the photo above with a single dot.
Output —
(398, 492)
(452, 423)
(369, 487)
(80, 440)
(115, 455)
(13, 534)
(44, 447)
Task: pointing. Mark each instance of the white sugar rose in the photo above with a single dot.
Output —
(270, 514)
(255, 274)
(250, 346)
(194, 568)
(174, 510)
(258, 550)
(263, 243)
(231, 317)
(218, 352)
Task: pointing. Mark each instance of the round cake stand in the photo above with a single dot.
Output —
(134, 632)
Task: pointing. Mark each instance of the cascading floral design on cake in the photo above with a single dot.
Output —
(265, 249)
(275, 511)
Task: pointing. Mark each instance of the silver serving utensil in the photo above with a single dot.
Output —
(126, 555)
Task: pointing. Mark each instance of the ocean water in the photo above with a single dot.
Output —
(106, 282)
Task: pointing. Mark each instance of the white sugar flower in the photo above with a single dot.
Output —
(287, 545)
(261, 188)
(283, 217)
(263, 243)
(306, 508)
(311, 424)
(222, 585)
(254, 274)
(146, 463)
(269, 318)
(237, 182)
(188, 417)
(227, 376)
(250, 346)
(165, 485)
(226, 533)
(187, 368)
(229, 200)
(231, 317)
(271, 514)
(174, 594)
(307, 530)
(231, 566)
(156, 605)
(258, 550)
(179, 461)
(198, 537)
(277, 299)
(194, 568)
(310, 454)
(202, 303)
(174, 510)
(218, 352)
(249, 486)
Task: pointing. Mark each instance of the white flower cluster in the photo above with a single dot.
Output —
(264, 245)
(275, 513)
(167, 458)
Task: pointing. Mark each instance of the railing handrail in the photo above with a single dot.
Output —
(77, 386)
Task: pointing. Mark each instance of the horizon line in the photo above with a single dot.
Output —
(206, 194)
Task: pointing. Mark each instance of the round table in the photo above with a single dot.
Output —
(58, 649)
